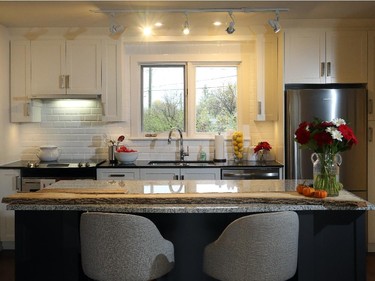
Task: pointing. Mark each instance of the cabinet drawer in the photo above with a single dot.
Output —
(117, 174)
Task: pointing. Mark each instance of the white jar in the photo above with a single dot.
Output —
(48, 153)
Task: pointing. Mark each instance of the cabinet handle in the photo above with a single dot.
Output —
(182, 177)
(259, 107)
(116, 175)
(322, 69)
(370, 106)
(18, 184)
(62, 81)
(328, 69)
(67, 81)
(370, 136)
(26, 111)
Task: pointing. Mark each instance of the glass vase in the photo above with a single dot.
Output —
(326, 170)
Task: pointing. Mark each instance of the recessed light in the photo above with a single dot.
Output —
(147, 31)
(217, 23)
(158, 24)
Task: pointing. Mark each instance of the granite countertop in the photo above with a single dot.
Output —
(227, 164)
(22, 164)
(203, 196)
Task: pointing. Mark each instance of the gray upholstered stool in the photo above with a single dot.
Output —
(255, 247)
(123, 247)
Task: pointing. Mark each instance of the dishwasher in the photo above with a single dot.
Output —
(253, 173)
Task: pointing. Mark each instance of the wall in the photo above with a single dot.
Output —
(9, 133)
(75, 126)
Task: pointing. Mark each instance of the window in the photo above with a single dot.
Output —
(213, 97)
(163, 97)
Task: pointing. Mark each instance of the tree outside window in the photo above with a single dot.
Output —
(164, 103)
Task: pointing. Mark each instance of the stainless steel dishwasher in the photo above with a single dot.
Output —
(252, 173)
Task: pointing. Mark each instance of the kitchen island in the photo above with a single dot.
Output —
(191, 214)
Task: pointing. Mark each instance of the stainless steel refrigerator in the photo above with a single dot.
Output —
(328, 101)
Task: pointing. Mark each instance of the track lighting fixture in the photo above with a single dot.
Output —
(230, 29)
(114, 27)
(186, 29)
(274, 23)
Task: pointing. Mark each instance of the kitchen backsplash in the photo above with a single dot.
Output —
(76, 128)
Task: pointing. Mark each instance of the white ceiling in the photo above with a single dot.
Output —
(80, 13)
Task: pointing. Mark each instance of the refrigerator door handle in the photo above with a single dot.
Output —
(322, 69)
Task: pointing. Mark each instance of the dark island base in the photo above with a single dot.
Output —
(331, 244)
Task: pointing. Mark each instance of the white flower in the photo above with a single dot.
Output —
(335, 134)
(338, 121)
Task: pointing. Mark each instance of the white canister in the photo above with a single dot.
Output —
(48, 153)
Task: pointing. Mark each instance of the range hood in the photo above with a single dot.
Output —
(66, 96)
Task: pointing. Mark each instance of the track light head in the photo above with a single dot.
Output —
(230, 29)
(186, 29)
(274, 23)
(115, 28)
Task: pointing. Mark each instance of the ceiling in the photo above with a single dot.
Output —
(81, 13)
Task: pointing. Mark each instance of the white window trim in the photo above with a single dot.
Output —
(134, 65)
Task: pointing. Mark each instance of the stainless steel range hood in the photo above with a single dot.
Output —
(67, 96)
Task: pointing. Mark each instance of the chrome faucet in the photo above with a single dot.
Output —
(182, 151)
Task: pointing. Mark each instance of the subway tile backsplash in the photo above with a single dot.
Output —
(75, 126)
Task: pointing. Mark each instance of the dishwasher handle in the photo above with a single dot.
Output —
(251, 175)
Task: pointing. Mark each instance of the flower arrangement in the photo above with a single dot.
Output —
(260, 148)
(326, 139)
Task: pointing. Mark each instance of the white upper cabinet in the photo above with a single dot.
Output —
(22, 109)
(319, 56)
(267, 47)
(60, 67)
(112, 100)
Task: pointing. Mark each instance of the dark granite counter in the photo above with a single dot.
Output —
(145, 164)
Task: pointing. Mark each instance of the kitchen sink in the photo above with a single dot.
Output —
(180, 163)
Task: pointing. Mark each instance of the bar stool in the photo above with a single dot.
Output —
(255, 247)
(123, 247)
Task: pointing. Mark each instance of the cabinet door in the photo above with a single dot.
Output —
(117, 174)
(112, 100)
(371, 75)
(47, 66)
(160, 174)
(200, 174)
(371, 185)
(267, 78)
(83, 67)
(304, 56)
(346, 56)
(22, 109)
(8, 182)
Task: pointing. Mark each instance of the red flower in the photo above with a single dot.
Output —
(262, 145)
(323, 138)
(302, 133)
(348, 134)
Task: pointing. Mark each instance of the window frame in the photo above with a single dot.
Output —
(191, 61)
(185, 106)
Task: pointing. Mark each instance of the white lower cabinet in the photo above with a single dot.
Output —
(8, 184)
(180, 174)
(117, 174)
